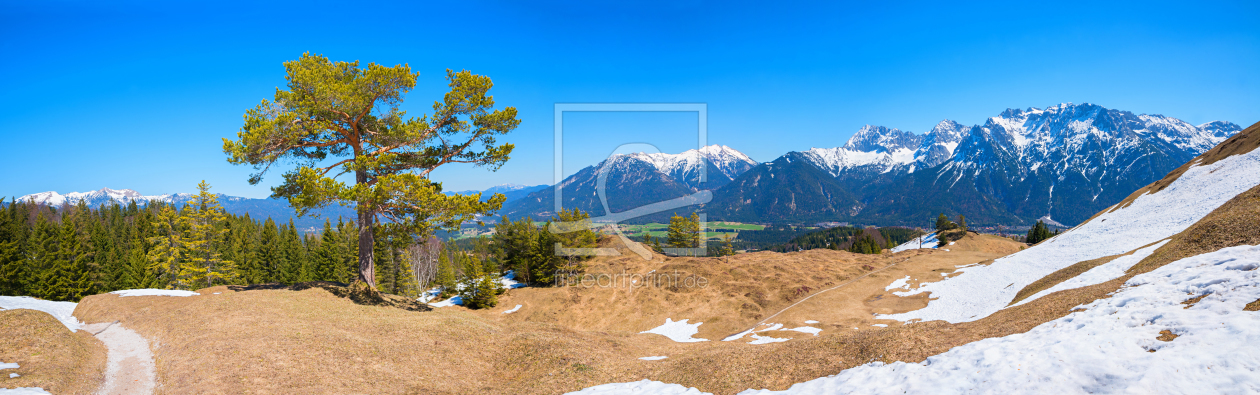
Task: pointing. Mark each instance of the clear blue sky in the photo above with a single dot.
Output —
(138, 95)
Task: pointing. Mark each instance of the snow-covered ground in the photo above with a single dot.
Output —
(679, 331)
(154, 292)
(513, 310)
(62, 311)
(657, 358)
(926, 241)
(1101, 274)
(971, 295)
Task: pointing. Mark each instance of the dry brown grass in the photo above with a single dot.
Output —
(49, 355)
(311, 341)
(1253, 306)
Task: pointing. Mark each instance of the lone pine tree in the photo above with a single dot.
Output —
(349, 115)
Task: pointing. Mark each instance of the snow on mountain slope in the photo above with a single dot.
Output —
(1110, 347)
(93, 198)
(1150, 218)
(728, 161)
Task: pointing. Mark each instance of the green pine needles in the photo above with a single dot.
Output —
(339, 118)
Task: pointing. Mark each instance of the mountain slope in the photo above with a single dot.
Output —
(789, 186)
(638, 179)
(1063, 163)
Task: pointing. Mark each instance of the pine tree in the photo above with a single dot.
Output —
(962, 221)
(727, 249)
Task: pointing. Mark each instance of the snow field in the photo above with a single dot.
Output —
(1152, 217)
(928, 241)
(1098, 275)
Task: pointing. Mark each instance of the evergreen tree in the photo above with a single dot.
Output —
(138, 274)
(351, 114)
(167, 252)
(328, 255)
(205, 265)
(271, 257)
(726, 249)
(962, 221)
(865, 244)
(41, 257)
(684, 232)
(294, 255)
(12, 273)
(386, 271)
(445, 278)
(1038, 233)
(943, 223)
(71, 278)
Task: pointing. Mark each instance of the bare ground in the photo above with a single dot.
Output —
(49, 355)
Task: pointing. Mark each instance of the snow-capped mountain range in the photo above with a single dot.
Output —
(1062, 163)
(96, 198)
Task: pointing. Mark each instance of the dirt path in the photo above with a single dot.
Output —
(129, 367)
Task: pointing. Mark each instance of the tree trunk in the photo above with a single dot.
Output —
(367, 268)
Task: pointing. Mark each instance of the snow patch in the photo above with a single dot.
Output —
(154, 292)
(899, 283)
(653, 358)
(758, 339)
(639, 387)
(513, 310)
(926, 241)
(62, 311)
(679, 331)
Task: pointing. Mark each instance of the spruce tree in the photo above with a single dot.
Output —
(327, 257)
(41, 255)
(271, 257)
(12, 275)
(445, 278)
(71, 278)
(138, 274)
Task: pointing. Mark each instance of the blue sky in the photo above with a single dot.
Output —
(139, 95)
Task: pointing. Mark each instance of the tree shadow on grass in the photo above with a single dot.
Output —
(358, 292)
